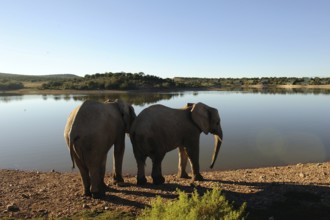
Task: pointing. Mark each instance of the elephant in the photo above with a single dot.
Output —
(159, 129)
(91, 129)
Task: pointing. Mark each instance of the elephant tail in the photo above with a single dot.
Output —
(73, 150)
(71, 154)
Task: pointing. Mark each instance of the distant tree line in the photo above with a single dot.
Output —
(112, 81)
(136, 81)
(141, 81)
(10, 85)
(238, 82)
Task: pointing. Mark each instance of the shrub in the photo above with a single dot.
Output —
(10, 85)
(212, 205)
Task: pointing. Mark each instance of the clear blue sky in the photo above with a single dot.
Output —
(232, 38)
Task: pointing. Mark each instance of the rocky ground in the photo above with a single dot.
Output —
(290, 192)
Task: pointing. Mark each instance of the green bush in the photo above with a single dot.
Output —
(10, 85)
(212, 205)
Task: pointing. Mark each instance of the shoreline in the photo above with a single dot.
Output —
(268, 191)
(34, 90)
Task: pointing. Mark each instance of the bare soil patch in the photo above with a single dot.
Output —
(289, 192)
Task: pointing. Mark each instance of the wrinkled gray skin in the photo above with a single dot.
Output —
(90, 131)
(159, 129)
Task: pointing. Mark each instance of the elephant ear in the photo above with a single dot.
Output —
(127, 113)
(201, 117)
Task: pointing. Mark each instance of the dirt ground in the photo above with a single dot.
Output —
(297, 191)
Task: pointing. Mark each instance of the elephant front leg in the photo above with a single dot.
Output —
(194, 162)
(183, 158)
(118, 155)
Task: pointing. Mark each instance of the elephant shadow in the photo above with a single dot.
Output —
(164, 191)
(281, 200)
(161, 190)
(265, 200)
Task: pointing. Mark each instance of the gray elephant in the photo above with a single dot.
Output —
(90, 131)
(159, 129)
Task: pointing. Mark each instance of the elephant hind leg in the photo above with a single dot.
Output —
(97, 182)
(84, 172)
(140, 158)
(156, 172)
(194, 162)
(183, 158)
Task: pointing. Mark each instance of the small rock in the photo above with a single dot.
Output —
(106, 208)
(12, 208)
(43, 212)
(299, 164)
(25, 196)
(302, 175)
(262, 177)
(85, 206)
(53, 171)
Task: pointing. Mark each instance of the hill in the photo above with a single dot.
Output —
(20, 77)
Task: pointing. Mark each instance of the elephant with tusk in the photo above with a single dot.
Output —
(90, 131)
(159, 129)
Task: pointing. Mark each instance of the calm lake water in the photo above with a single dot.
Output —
(260, 129)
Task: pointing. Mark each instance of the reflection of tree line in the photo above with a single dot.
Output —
(275, 90)
(7, 97)
(133, 98)
(151, 97)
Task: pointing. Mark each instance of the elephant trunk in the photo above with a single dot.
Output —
(217, 145)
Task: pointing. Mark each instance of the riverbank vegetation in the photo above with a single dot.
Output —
(141, 81)
(212, 205)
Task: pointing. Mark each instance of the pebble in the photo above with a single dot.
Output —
(25, 196)
(12, 208)
(85, 206)
(302, 175)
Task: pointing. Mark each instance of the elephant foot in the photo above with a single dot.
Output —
(117, 180)
(98, 195)
(87, 193)
(141, 181)
(105, 187)
(198, 177)
(183, 175)
(158, 180)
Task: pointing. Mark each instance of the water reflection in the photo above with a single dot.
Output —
(262, 128)
(139, 99)
(145, 98)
